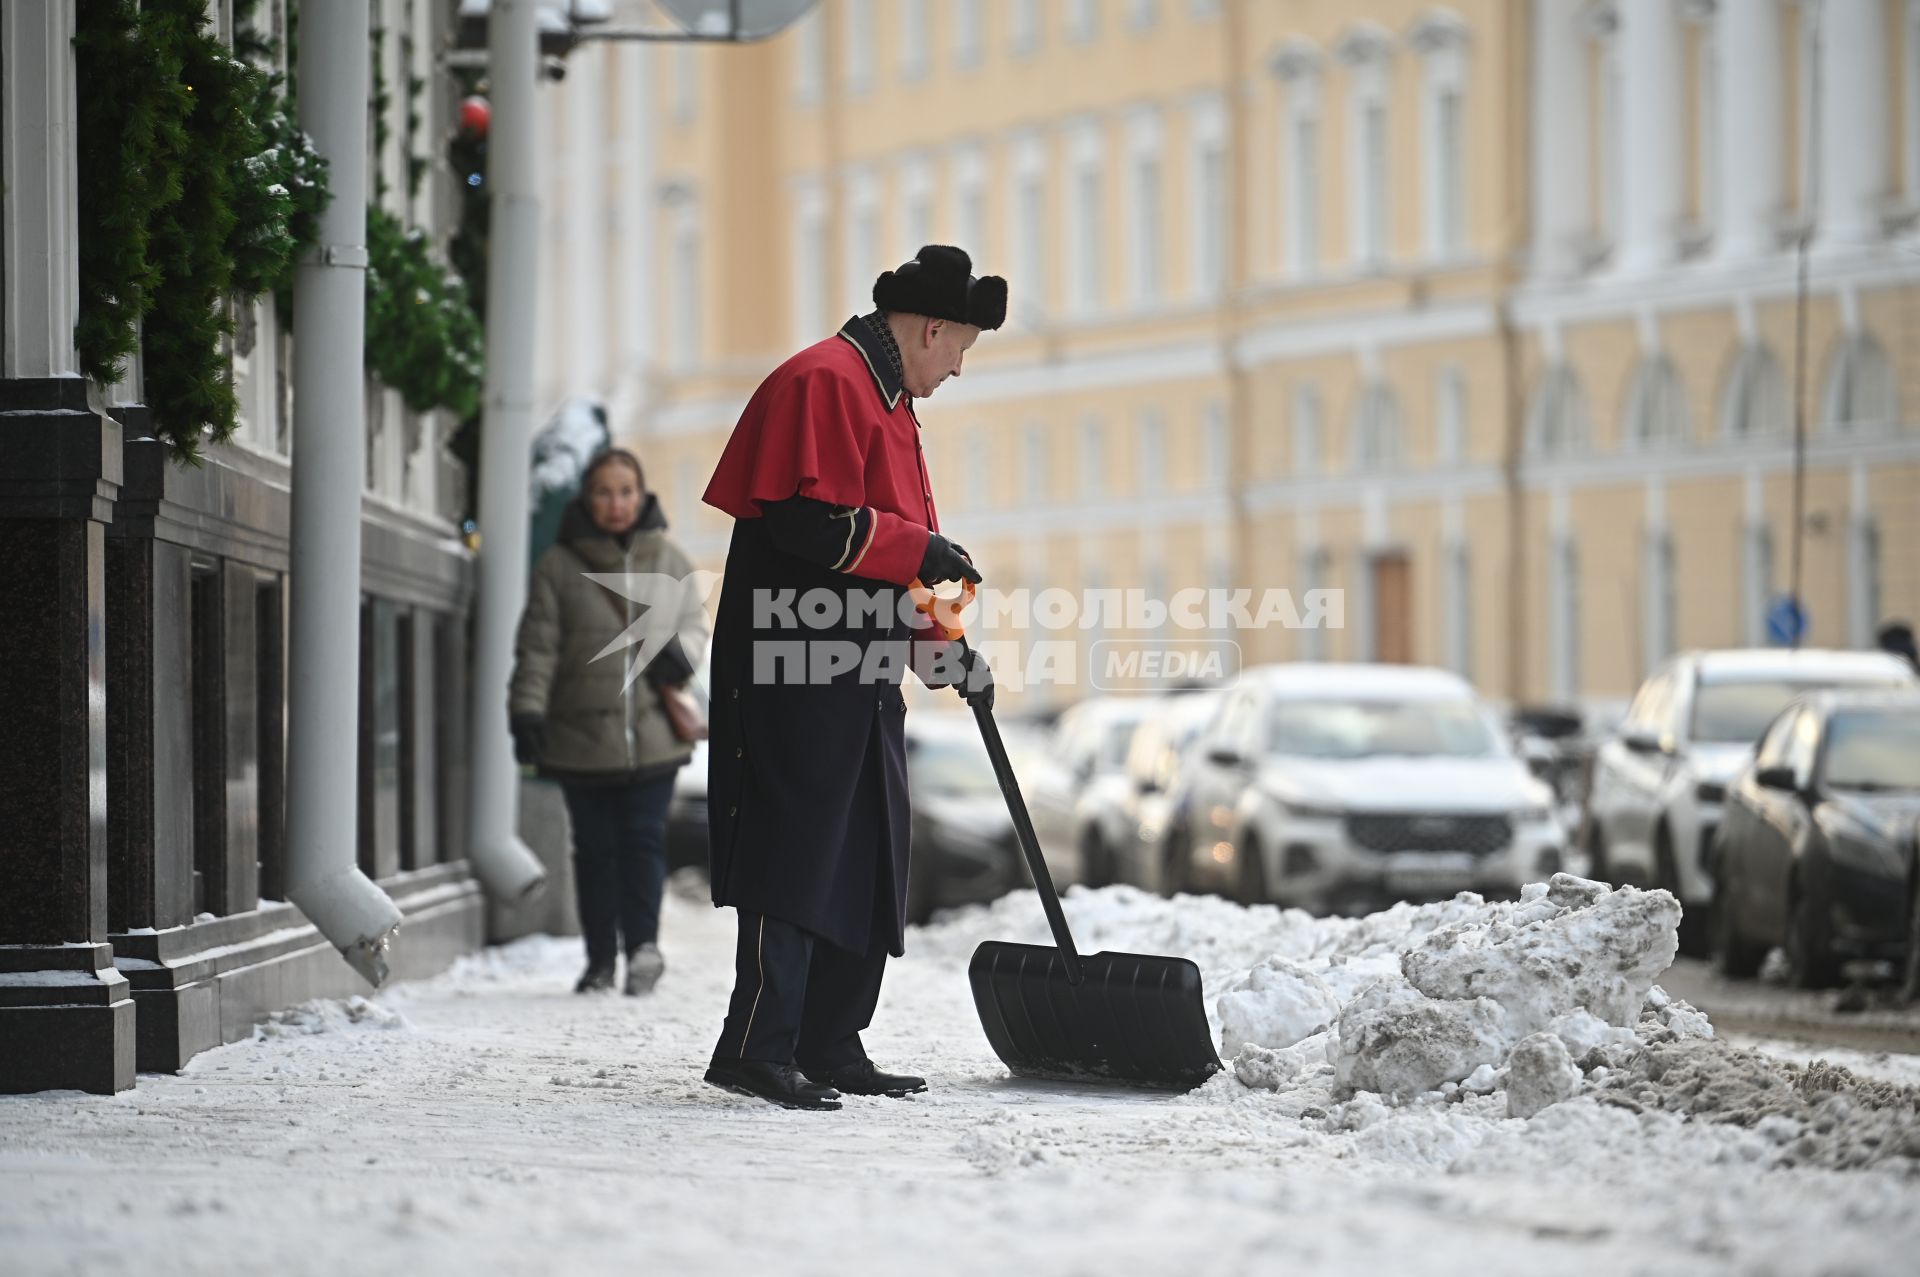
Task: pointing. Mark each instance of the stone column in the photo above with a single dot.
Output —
(1748, 109)
(1852, 162)
(1651, 175)
(1560, 138)
(66, 1019)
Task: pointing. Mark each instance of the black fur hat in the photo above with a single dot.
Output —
(939, 284)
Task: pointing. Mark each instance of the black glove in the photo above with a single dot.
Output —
(529, 738)
(945, 561)
(976, 687)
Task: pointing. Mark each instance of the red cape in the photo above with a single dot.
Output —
(821, 426)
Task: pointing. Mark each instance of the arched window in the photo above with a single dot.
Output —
(1376, 433)
(1557, 417)
(1656, 414)
(1859, 389)
(1753, 401)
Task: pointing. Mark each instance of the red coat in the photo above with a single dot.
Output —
(807, 797)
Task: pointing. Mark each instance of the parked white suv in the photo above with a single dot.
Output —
(1659, 781)
(1341, 787)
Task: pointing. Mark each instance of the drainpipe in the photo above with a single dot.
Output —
(329, 471)
(508, 868)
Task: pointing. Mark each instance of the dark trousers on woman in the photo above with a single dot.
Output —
(798, 999)
(619, 862)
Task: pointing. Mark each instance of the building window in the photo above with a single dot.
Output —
(1025, 28)
(1093, 458)
(1203, 9)
(1458, 605)
(1143, 14)
(1707, 130)
(1214, 443)
(1442, 42)
(1083, 21)
(811, 252)
(913, 39)
(1314, 561)
(1153, 450)
(1036, 467)
(1365, 51)
(969, 31)
(859, 41)
(683, 293)
(1910, 80)
(1298, 67)
(1144, 212)
(1449, 415)
(1377, 435)
(1030, 254)
(1563, 618)
(685, 83)
(1863, 579)
(970, 203)
(1859, 389)
(916, 207)
(979, 472)
(1557, 417)
(861, 240)
(1806, 76)
(1608, 208)
(1757, 583)
(1209, 126)
(1656, 603)
(1309, 431)
(1088, 222)
(1656, 406)
(810, 59)
(1753, 402)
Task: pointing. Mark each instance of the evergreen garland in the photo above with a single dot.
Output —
(134, 111)
(423, 338)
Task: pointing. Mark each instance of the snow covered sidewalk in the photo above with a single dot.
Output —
(492, 1121)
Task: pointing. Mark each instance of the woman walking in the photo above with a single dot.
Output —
(613, 742)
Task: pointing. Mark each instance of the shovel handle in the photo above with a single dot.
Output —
(1029, 844)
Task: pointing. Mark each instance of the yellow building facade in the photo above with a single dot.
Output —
(1488, 315)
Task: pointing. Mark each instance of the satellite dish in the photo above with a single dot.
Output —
(714, 18)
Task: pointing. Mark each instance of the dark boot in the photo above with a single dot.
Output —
(775, 1083)
(595, 979)
(864, 1079)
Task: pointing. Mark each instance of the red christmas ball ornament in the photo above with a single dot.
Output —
(476, 113)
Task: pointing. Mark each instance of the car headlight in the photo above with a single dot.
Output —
(1708, 791)
(1310, 811)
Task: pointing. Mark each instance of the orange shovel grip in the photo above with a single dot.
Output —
(942, 609)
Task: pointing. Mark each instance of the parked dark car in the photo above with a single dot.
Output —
(964, 850)
(1816, 850)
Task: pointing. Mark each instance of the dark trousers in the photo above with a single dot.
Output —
(798, 999)
(619, 862)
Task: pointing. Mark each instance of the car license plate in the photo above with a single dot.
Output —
(1411, 870)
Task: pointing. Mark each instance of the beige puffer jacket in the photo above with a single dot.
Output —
(595, 727)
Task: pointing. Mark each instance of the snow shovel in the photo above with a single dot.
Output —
(1130, 1018)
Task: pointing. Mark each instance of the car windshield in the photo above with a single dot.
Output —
(1365, 729)
(1873, 750)
(952, 767)
(1737, 713)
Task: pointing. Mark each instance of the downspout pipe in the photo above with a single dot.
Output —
(329, 470)
(505, 865)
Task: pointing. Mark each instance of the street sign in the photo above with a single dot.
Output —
(1786, 621)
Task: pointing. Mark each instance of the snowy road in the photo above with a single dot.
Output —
(491, 1121)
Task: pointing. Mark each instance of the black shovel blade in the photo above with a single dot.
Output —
(1133, 1018)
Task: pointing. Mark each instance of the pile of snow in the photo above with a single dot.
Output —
(330, 1015)
(1421, 1032)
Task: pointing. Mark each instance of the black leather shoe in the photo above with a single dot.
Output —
(864, 1079)
(595, 979)
(775, 1083)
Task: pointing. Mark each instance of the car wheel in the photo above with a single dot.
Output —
(1809, 947)
(1733, 955)
(1095, 871)
(1250, 878)
(1666, 868)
